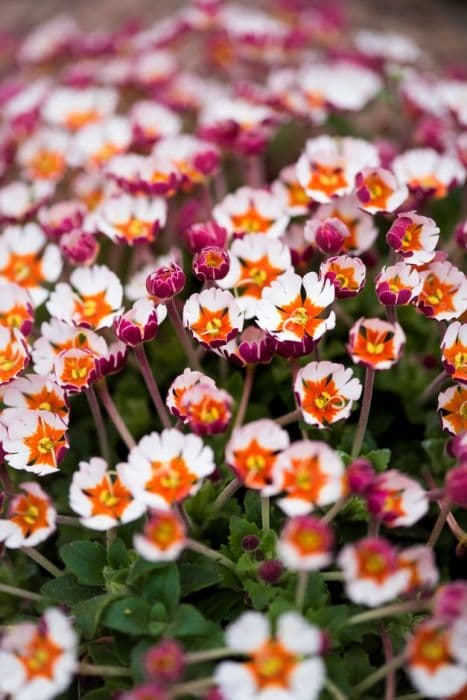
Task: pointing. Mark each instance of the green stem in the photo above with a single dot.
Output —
(5, 478)
(333, 690)
(265, 512)
(210, 553)
(19, 592)
(390, 691)
(99, 423)
(300, 591)
(410, 606)
(146, 371)
(433, 386)
(247, 387)
(334, 510)
(42, 561)
(195, 657)
(84, 669)
(114, 414)
(192, 687)
(439, 524)
(332, 575)
(68, 520)
(226, 494)
(378, 675)
(288, 418)
(364, 412)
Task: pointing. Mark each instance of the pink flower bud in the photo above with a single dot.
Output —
(457, 447)
(147, 691)
(62, 217)
(211, 263)
(270, 571)
(360, 476)
(450, 601)
(456, 485)
(140, 323)
(200, 236)
(165, 662)
(166, 281)
(329, 235)
(460, 235)
(79, 248)
(250, 543)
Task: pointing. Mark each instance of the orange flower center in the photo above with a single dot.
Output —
(172, 479)
(136, 228)
(251, 221)
(305, 479)
(256, 275)
(92, 308)
(438, 294)
(76, 370)
(40, 657)
(164, 531)
(379, 191)
(109, 498)
(300, 317)
(372, 564)
(272, 665)
(212, 325)
(25, 270)
(47, 165)
(76, 120)
(430, 182)
(30, 513)
(412, 237)
(322, 399)
(254, 464)
(327, 179)
(44, 444)
(430, 648)
(297, 195)
(12, 361)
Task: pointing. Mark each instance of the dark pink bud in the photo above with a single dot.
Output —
(460, 235)
(199, 236)
(271, 570)
(457, 447)
(62, 217)
(147, 691)
(450, 601)
(140, 323)
(255, 346)
(211, 263)
(114, 361)
(250, 543)
(326, 643)
(79, 248)
(360, 476)
(330, 236)
(166, 281)
(214, 694)
(251, 142)
(165, 662)
(456, 485)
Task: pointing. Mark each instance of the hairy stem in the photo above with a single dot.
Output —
(210, 553)
(410, 606)
(84, 669)
(114, 414)
(192, 687)
(433, 386)
(288, 418)
(42, 561)
(265, 512)
(146, 371)
(195, 657)
(378, 675)
(99, 423)
(19, 592)
(390, 691)
(440, 522)
(226, 494)
(300, 591)
(333, 690)
(247, 387)
(364, 412)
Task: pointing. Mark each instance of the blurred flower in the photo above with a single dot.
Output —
(397, 284)
(14, 354)
(140, 323)
(454, 351)
(249, 210)
(375, 343)
(396, 500)
(16, 308)
(452, 405)
(163, 537)
(444, 292)
(427, 172)
(377, 189)
(211, 263)
(347, 275)
(305, 544)
(30, 518)
(414, 236)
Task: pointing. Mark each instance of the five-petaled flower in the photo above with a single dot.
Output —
(374, 343)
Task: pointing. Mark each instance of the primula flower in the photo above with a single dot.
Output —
(56, 337)
(95, 144)
(153, 68)
(163, 537)
(165, 468)
(288, 189)
(37, 441)
(43, 155)
(165, 661)
(72, 108)
(255, 262)
(454, 351)
(253, 346)
(286, 664)
(131, 220)
(202, 235)
(305, 544)
(360, 224)
(328, 235)
(419, 561)
(456, 485)
(377, 189)
(195, 160)
(79, 247)
(452, 405)
(30, 518)
(102, 501)
(140, 323)
(48, 40)
(427, 172)
(253, 450)
(208, 409)
(62, 217)
(26, 260)
(342, 85)
(211, 263)
(19, 200)
(398, 284)
(396, 500)
(325, 392)
(181, 384)
(450, 602)
(374, 343)
(444, 292)
(14, 354)
(249, 210)
(372, 572)
(347, 274)
(328, 166)
(151, 121)
(389, 46)
(310, 474)
(165, 281)
(76, 369)
(16, 308)
(92, 299)
(414, 236)
(213, 317)
(36, 393)
(38, 660)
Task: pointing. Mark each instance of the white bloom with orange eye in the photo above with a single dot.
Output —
(444, 292)
(57, 336)
(305, 544)
(453, 95)
(26, 260)
(360, 224)
(293, 308)
(377, 189)
(452, 405)
(253, 450)
(288, 189)
(20, 200)
(419, 561)
(43, 156)
(102, 501)
(16, 308)
(374, 343)
(151, 121)
(391, 46)
(38, 660)
(14, 354)
(432, 664)
(284, 666)
(48, 39)
(92, 299)
(249, 210)
(193, 158)
(131, 220)
(75, 369)
(163, 537)
(372, 572)
(165, 468)
(328, 166)
(181, 384)
(95, 144)
(30, 519)
(255, 262)
(344, 85)
(429, 172)
(325, 392)
(89, 188)
(310, 474)
(36, 442)
(213, 317)
(26, 101)
(208, 409)
(126, 171)
(153, 68)
(36, 393)
(414, 236)
(396, 500)
(454, 351)
(398, 284)
(72, 108)
(219, 111)
(347, 274)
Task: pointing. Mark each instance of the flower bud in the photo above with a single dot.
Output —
(211, 263)
(62, 217)
(151, 690)
(330, 236)
(249, 543)
(360, 476)
(271, 570)
(456, 485)
(166, 281)
(164, 662)
(79, 248)
(200, 236)
(457, 447)
(140, 323)
(450, 601)
(460, 235)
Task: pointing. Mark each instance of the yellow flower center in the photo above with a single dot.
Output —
(375, 348)
(45, 445)
(255, 462)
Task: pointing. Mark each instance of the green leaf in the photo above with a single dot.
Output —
(140, 568)
(117, 555)
(261, 594)
(86, 560)
(439, 460)
(189, 622)
(379, 458)
(239, 528)
(163, 586)
(88, 613)
(197, 573)
(66, 589)
(129, 615)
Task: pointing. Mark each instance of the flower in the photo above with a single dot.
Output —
(43, 155)
(151, 121)
(36, 393)
(325, 391)
(347, 275)
(342, 84)
(180, 385)
(253, 450)
(96, 143)
(14, 354)
(16, 308)
(396, 500)
(360, 225)
(140, 323)
(397, 284)
(328, 234)
(456, 485)
(377, 189)
(36, 442)
(427, 172)
(287, 663)
(253, 346)
(31, 518)
(414, 236)
(102, 501)
(420, 562)
(452, 405)
(79, 247)
(374, 343)
(194, 160)
(255, 262)
(249, 210)
(165, 661)
(372, 571)
(163, 537)
(328, 166)
(166, 281)
(360, 476)
(208, 409)
(288, 189)
(72, 109)
(211, 263)
(92, 299)
(310, 474)
(130, 219)
(56, 337)
(20, 200)
(392, 47)
(444, 292)
(450, 601)
(454, 351)
(165, 468)
(38, 660)
(305, 543)
(213, 317)
(203, 235)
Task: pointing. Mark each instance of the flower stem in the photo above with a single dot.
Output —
(433, 386)
(333, 690)
(99, 423)
(42, 561)
(84, 669)
(5, 478)
(68, 520)
(265, 512)
(288, 418)
(445, 507)
(247, 387)
(151, 384)
(364, 412)
(410, 606)
(182, 335)
(332, 575)
(390, 692)
(19, 592)
(334, 510)
(300, 591)
(192, 687)
(378, 675)
(114, 414)
(210, 553)
(226, 494)
(195, 657)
